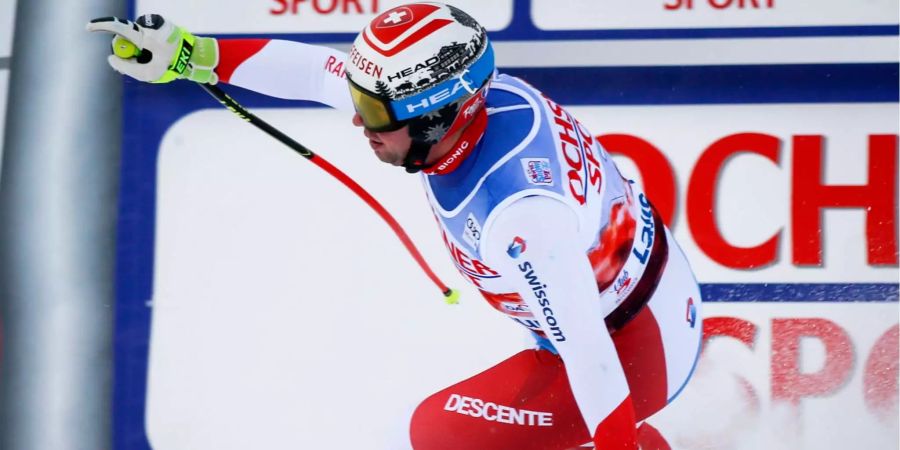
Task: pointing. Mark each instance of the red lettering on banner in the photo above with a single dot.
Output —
(355, 3)
(745, 332)
(325, 7)
(701, 201)
(721, 4)
(789, 382)
(317, 6)
(880, 378)
(654, 168)
(733, 327)
(278, 12)
(741, 4)
(809, 196)
(678, 4)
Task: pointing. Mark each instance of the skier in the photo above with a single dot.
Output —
(533, 210)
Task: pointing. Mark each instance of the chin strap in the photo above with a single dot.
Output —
(416, 156)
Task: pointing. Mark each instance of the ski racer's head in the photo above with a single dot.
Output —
(417, 74)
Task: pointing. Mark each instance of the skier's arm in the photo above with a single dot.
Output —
(286, 69)
(158, 51)
(555, 279)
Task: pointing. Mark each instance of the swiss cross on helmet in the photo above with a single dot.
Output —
(421, 65)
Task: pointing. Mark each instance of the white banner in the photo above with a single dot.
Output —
(627, 14)
(748, 154)
(790, 377)
(283, 304)
(301, 16)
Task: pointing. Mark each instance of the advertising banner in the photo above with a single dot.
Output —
(622, 14)
(303, 16)
(262, 305)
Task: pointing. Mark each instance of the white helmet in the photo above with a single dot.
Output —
(417, 65)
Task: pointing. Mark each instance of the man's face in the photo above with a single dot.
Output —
(389, 146)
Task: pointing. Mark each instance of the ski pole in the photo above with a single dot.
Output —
(450, 296)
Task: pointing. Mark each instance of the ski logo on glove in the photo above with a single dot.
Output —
(184, 55)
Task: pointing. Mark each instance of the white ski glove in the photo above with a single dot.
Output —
(154, 50)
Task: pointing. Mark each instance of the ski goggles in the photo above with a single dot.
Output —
(381, 114)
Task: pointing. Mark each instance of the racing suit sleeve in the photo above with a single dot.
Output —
(532, 244)
(286, 69)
